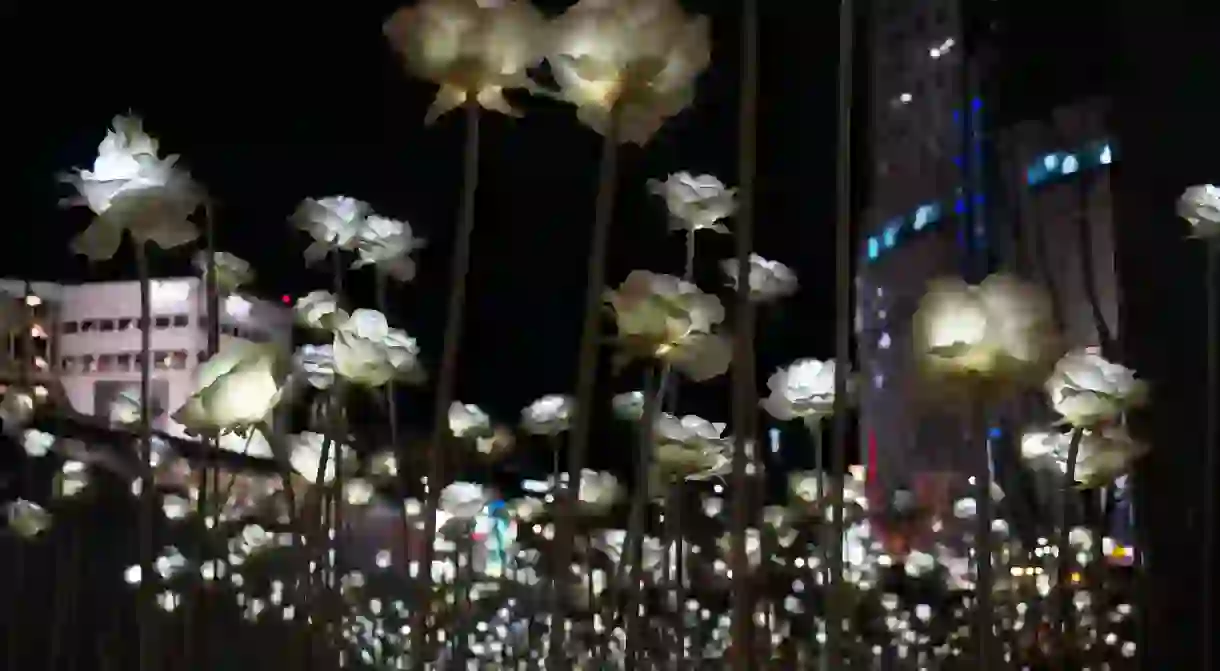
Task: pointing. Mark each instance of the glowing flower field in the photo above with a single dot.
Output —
(357, 543)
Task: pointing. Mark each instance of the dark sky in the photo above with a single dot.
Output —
(267, 108)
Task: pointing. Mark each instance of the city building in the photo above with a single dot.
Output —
(923, 215)
(91, 341)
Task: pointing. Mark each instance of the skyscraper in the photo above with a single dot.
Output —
(923, 214)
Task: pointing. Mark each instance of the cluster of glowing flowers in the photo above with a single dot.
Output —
(470, 48)
(1103, 454)
(769, 280)
(813, 488)
(550, 415)
(1200, 206)
(463, 500)
(235, 389)
(805, 390)
(637, 60)
(370, 353)
(467, 420)
(999, 331)
(131, 188)
(598, 490)
(232, 271)
(1087, 390)
(341, 223)
(696, 203)
(663, 317)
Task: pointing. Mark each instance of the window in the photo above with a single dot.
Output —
(178, 360)
(70, 327)
(126, 324)
(105, 325)
(88, 326)
(88, 364)
(181, 320)
(68, 364)
(123, 362)
(161, 322)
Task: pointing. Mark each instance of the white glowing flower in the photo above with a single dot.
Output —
(669, 319)
(1102, 456)
(1200, 205)
(550, 415)
(231, 270)
(370, 353)
(1002, 329)
(319, 310)
(236, 388)
(468, 420)
(598, 490)
(387, 243)
(525, 508)
(305, 456)
(253, 444)
(805, 389)
(696, 203)
(612, 543)
(470, 48)
(333, 222)
(629, 405)
(769, 280)
(131, 189)
(691, 447)
(642, 57)
(37, 443)
(1088, 390)
(26, 518)
(16, 410)
(463, 500)
(315, 364)
(358, 492)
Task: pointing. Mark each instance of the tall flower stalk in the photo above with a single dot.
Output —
(147, 603)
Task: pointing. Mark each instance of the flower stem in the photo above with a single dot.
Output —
(1063, 602)
(447, 373)
(984, 608)
(1210, 447)
(586, 368)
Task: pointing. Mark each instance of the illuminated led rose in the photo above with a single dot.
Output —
(370, 353)
(26, 518)
(231, 270)
(315, 364)
(628, 405)
(236, 388)
(16, 410)
(550, 415)
(1200, 205)
(641, 56)
(319, 310)
(696, 203)
(131, 189)
(1103, 455)
(470, 48)
(387, 244)
(1088, 390)
(468, 420)
(333, 222)
(663, 317)
(690, 447)
(805, 389)
(1001, 330)
(305, 456)
(598, 490)
(769, 280)
(753, 546)
(463, 500)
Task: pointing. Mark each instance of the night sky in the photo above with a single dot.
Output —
(267, 108)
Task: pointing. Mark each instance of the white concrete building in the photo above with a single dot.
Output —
(94, 342)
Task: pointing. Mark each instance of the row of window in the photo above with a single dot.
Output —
(125, 362)
(124, 324)
(160, 322)
(1058, 164)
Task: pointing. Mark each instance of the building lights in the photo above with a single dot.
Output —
(1050, 167)
(33, 301)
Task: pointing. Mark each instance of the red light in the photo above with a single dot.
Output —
(286, 299)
